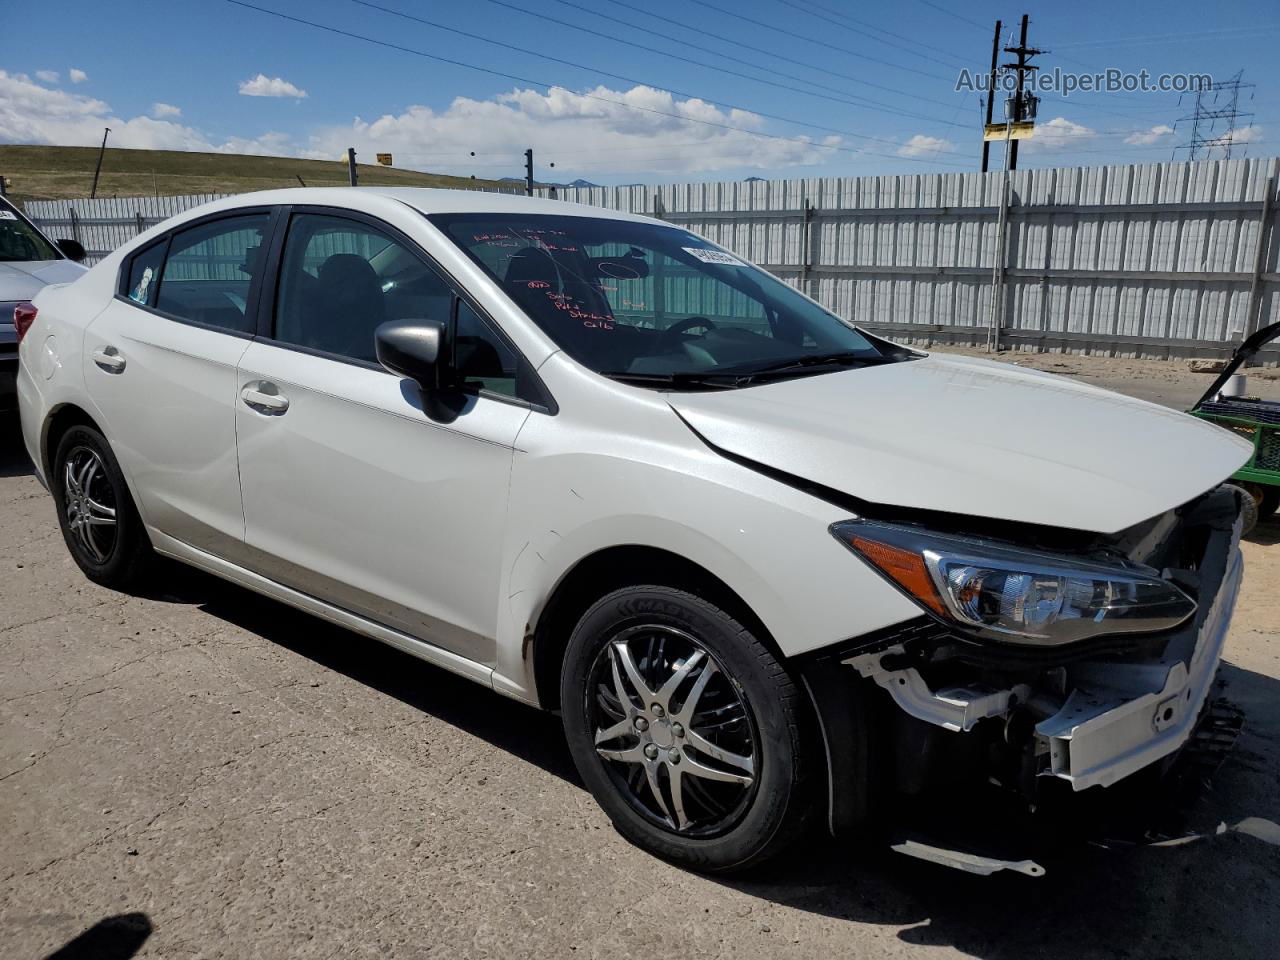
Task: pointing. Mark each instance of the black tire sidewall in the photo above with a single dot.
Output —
(131, 545)
(779, 806)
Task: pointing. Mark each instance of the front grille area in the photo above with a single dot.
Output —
(1268, 451)
(1262, 411)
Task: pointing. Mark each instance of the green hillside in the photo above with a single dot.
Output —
(42, 173)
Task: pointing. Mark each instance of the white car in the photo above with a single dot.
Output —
(766, 565)
(28, 261)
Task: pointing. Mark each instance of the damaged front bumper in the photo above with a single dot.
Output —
(1118, 716)
(962, 713)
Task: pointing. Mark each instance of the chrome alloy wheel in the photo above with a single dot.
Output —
(89, 503)
(675, 729)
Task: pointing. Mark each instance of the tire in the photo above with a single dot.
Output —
(746, 720)
(1248, 508)
(110, 546)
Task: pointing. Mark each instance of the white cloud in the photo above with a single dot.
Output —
(31, 113)
(920, 145)
(77, 76)
(1247, 135)
(264, 86)
(584, 134)
(1143, 138)
(47, 76)
(1058, 134)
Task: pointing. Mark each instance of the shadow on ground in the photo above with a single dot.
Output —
(113, 938)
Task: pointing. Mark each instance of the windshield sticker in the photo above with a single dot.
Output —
(8, 215)
(713, 256)
(140, 293)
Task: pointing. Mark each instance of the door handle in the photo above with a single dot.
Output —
(265, 398)
(109, 359)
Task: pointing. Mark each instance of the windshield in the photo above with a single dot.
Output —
(655, 304)
(20, 241)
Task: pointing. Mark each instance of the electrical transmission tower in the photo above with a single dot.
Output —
(1217, 103)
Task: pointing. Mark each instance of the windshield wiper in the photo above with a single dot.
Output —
(721, 381)
(844, 359)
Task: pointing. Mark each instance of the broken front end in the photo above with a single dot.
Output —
(1040, 661)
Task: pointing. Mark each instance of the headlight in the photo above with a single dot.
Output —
(1016, 595)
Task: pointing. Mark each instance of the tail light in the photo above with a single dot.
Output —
(24, 315)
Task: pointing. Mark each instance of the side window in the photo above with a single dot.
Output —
(482, 358)
(144, 274)
(208, 270)
(340, 279)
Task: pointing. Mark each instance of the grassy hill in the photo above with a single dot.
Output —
(42, 173)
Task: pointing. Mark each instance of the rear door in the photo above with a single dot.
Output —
(160, 363)
(353, 491)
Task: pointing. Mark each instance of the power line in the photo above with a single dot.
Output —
(805, 141)
(896, 91)
(774, 28)
(830, 16)
(1221, 33)
(736, 43)
(645, 83)
(855, 101)
(952, 13)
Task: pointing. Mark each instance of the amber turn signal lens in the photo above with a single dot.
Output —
(905, 568)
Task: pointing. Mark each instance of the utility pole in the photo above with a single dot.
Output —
(991, 93)
(1222, 105)
(1023, 104)
(528, 172)
(351, 167)
(98, 169)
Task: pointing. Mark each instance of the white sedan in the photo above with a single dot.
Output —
(769, 567)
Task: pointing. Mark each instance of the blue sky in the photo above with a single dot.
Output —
(800, 87)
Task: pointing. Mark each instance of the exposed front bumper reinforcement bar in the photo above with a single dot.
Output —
(1115, 717)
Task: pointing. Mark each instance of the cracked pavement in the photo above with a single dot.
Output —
(252, 782)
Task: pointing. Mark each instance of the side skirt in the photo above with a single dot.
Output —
(193, 556)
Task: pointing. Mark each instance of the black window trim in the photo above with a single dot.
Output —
(265, 305)
(255, 283)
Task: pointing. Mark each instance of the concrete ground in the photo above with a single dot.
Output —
(203, 773)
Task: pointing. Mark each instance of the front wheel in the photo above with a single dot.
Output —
(687, 730)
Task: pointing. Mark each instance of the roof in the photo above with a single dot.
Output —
(436, 200)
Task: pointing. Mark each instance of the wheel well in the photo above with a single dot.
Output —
(63, 419)
(611, 569)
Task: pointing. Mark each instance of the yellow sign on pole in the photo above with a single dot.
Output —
(1016, 131)
(384, 159)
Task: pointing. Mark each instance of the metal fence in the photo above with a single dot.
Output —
(1152, 260)
(1142, 260)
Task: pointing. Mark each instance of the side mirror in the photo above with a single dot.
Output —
(414, 349)
(72, 249)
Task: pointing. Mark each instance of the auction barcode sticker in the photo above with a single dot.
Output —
(713, 256)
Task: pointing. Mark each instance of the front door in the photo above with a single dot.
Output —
(352, 493)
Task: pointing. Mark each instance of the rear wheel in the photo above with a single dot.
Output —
(99, 522)
(687, 730)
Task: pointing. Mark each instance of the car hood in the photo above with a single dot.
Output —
(23, 279)
(973, 437)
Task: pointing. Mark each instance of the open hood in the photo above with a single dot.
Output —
(973, 437)
(1244, 353)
